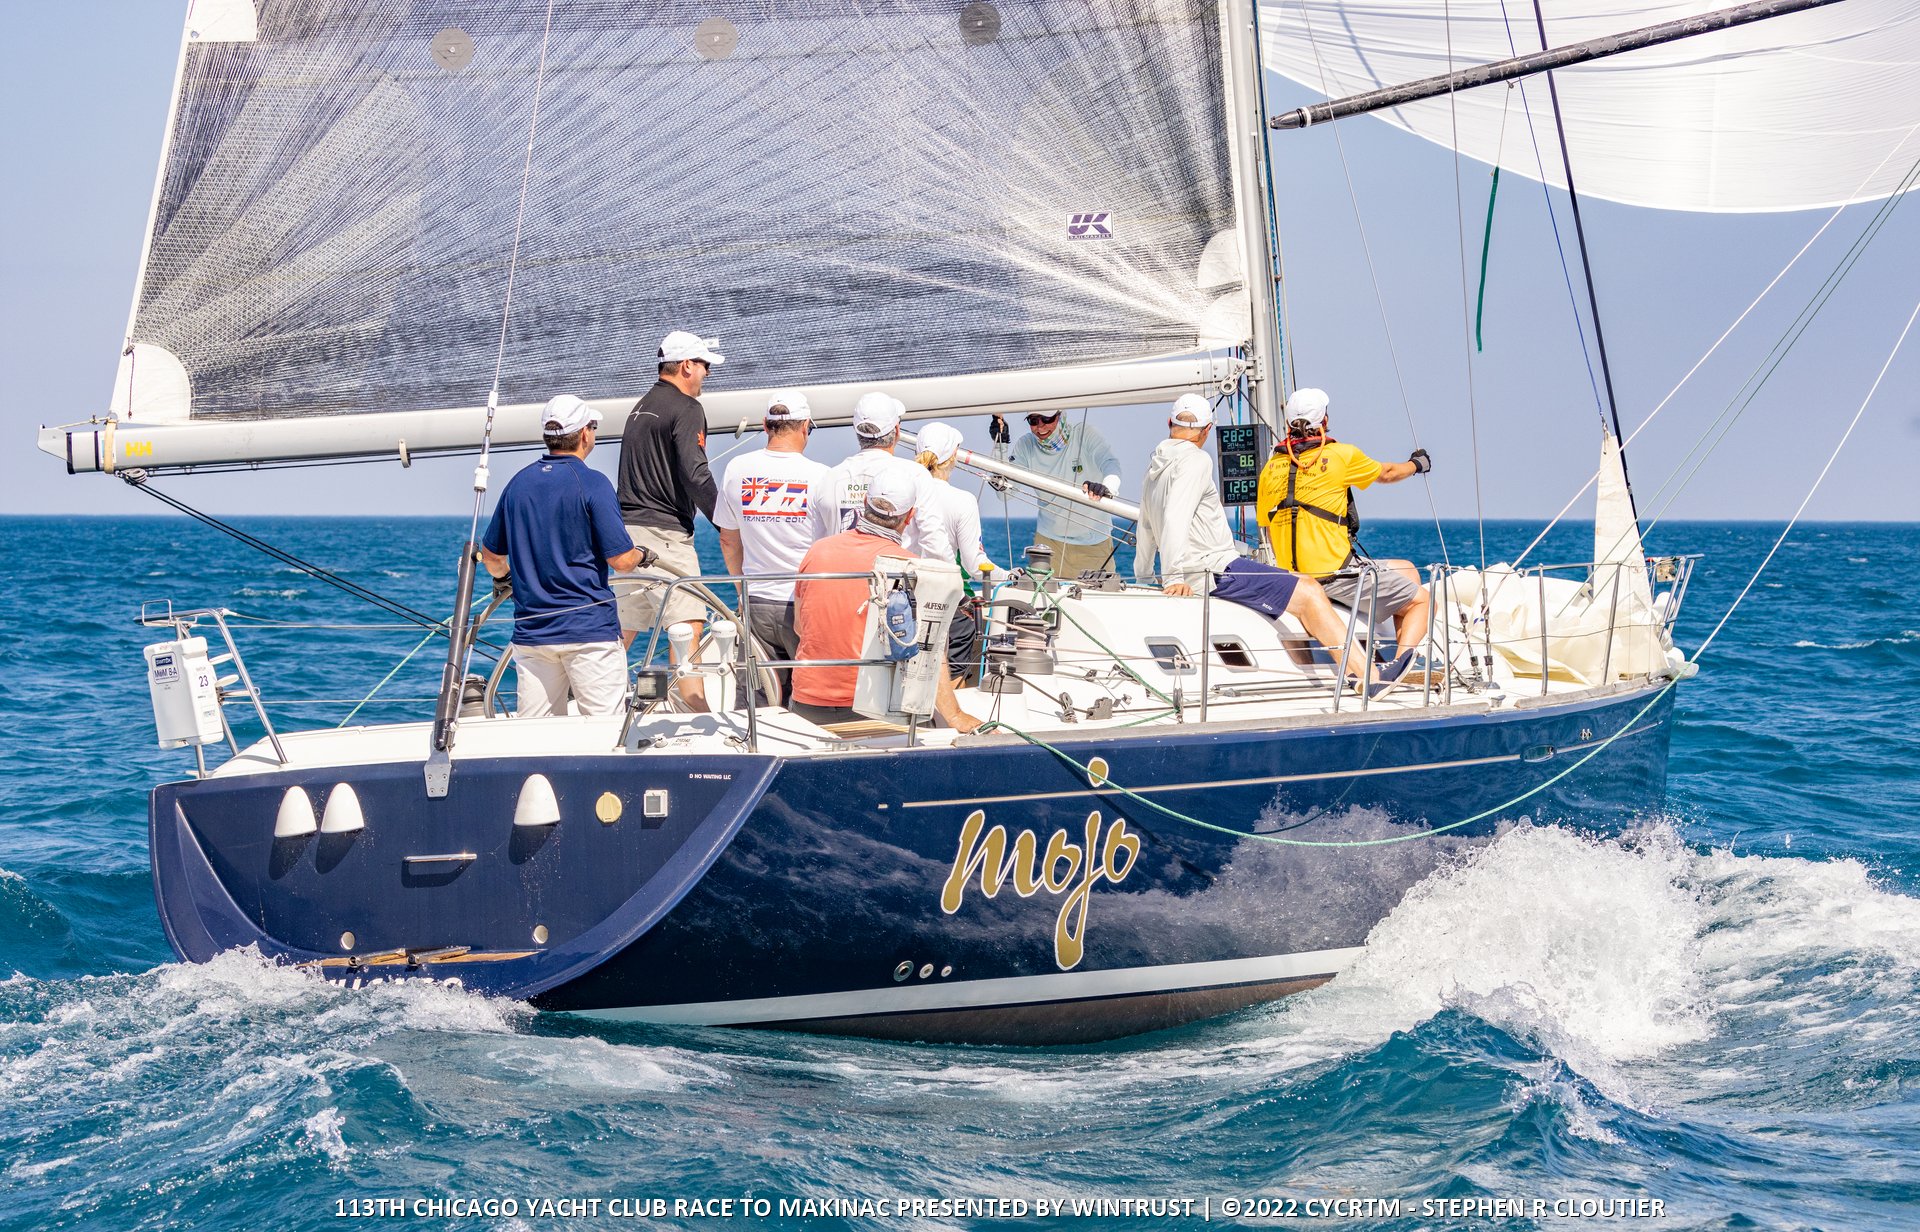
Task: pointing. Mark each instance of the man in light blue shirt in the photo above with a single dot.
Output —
(1081, 538)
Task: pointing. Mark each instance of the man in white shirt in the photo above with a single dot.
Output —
(763, 514)
(876, 422)
(1181, 518)
(1081, 538)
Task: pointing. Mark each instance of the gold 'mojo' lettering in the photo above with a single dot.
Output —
(1103, 855)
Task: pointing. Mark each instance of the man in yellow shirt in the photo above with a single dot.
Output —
(1305, 502)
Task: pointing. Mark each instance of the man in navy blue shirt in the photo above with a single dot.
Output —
(555, 533)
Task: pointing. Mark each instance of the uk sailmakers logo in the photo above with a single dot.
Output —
(1092, 226)
(1107, 852)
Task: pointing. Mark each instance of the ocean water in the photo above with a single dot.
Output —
(1718, 1013)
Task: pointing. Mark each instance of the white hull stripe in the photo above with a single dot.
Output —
(1365, 772)
(985, 994)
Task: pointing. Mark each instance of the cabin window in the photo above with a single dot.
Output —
(1233, 653)
(1170, 655)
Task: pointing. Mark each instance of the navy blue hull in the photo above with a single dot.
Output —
(989, 892)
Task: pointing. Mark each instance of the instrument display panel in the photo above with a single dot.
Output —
(1243, 451)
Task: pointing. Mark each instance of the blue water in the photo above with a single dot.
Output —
(1720, 1013)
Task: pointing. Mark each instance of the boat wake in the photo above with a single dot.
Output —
(1658, 973)
(1615, 993)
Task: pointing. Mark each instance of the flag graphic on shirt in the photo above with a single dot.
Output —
(773, 498)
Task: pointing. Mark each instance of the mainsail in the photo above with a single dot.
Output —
(901, 191)
(1807, 110)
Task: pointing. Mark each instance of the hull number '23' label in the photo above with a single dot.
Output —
(1105, 853)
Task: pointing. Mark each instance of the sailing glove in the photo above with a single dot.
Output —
(1100, 490)
(1421, 462)
(503, 586)
(997, 431)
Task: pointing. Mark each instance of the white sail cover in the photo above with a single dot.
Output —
(1813, 109)
(839, 192)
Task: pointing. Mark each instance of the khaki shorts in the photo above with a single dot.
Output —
(640, 602)
(1070, 560)
(592, 674)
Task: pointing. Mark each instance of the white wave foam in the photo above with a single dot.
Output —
(596, 1065)
(1625, 959)
(1907, 638)
(1587, 947)
(323, 1134)
(1550, 1085)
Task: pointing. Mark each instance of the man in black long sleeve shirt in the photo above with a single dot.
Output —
(664, 479)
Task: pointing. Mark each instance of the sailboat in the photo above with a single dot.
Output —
(390, 230)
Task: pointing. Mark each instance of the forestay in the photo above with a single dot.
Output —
(918, 190)
(1807, 110)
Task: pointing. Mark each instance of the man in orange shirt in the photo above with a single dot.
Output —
(830, 615)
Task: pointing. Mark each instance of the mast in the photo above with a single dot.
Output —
(1542, 61)
(1247, 141)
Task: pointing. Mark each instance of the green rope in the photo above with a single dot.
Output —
(431, 634)
(1486, 249)
(1301, 842)
(1055, 605)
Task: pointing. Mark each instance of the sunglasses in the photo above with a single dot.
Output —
(1032, 420)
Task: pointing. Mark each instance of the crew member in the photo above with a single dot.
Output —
(1081, 538)
(1305, 501)
(876, 425)
(765, 497)
(664, 478)
(831, 614)
(1181, 518)
(960, 519)
(552, 538)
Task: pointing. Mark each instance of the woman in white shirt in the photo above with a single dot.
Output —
(958, 538)
(939, 452)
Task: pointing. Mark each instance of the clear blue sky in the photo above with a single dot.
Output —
(86, 85)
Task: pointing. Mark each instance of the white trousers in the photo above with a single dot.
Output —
(595, 673)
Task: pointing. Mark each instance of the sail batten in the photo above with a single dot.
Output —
(917, 191)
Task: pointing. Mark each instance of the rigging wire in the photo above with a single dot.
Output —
(1881, 215)
(435, 625)
(1769, 364)
(1380, 299)
(1586, 263)
(1276, 274)
(407, 658)
(1553, 218)
(1466, 324)
(1820, 478)
(459, 656)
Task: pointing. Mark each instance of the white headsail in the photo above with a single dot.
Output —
(1802, 111)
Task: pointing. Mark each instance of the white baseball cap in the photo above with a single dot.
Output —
(942, 440)
(1307, 406)
(567, 414)
(877, 414)
(680, 345)
(788, 406)
(1191, 411)
(891, 492)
